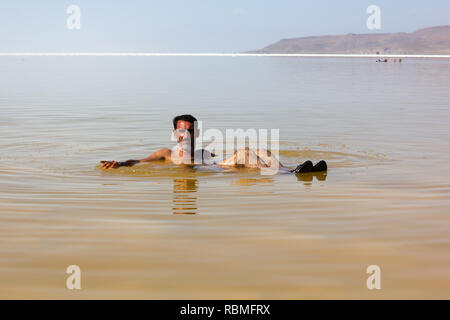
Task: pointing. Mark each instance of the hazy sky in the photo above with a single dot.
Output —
(197, 25)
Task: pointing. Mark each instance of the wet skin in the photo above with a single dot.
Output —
(183, 133)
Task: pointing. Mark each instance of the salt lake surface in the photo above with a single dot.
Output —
(159, 231)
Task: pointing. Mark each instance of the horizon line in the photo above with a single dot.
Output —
(168, 54)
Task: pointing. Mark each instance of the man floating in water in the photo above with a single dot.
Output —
(185, 132)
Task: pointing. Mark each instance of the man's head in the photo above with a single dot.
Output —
(185, 128)
(183, 120)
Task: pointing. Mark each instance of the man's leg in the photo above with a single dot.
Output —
(262, 158)
(251, 158)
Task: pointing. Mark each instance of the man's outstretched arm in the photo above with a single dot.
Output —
(162, 154)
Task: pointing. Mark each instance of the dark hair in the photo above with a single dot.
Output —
(184, 117)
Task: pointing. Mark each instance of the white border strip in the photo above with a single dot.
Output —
(132, 54)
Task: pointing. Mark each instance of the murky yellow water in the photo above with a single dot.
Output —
(159, 231)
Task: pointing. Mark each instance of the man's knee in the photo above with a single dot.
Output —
(245, 149)
(264, 152)
(242, 152)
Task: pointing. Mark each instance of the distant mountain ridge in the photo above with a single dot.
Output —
(432, 40)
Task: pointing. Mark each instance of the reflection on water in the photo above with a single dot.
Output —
(251, 181)
(308, 177)
(184, 198)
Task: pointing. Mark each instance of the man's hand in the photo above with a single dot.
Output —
(110, 164)
(114, 164)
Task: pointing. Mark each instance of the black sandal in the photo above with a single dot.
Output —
(305, 167)
(320, 166)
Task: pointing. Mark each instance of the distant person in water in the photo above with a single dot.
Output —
(185, 152)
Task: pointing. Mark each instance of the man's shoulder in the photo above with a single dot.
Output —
(164, 153)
